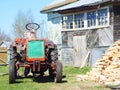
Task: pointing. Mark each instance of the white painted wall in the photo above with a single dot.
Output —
(54, 27)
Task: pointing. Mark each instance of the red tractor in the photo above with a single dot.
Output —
(35, 55)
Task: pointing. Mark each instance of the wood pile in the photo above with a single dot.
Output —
(107, 69)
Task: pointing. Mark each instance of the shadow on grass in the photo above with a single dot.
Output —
(22, 77)
(17, 82)
(19, 79)
(45, 79)
(38, 79)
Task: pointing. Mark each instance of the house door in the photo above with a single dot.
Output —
(79, 44)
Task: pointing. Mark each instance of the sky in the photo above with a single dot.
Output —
(9, 10)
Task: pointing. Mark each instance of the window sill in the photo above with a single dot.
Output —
(99, 27)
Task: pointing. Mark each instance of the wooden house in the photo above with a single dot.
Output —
(85, 25)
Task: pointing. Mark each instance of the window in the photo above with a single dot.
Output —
(91, 19)
(102, 17)
(68, 22)
(79, 20)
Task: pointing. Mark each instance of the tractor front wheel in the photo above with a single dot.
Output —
(12, 71)
(58, 78)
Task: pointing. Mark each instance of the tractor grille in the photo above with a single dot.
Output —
(36, 49)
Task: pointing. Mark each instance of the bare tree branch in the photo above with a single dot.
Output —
(4, 37)
(20, 22)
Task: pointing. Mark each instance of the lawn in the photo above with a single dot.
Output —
(44, 83)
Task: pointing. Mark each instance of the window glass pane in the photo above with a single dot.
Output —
(79, 20)
(91, 18)
(68, 22)
(102, 17)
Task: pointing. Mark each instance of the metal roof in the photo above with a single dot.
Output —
(80, 3)
(57, 3)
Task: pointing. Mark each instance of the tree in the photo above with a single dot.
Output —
(4, 36)
(20, 22)
(54, 34)
(42, 32)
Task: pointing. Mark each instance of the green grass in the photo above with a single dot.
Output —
(71, 70)
(69, 82)
(3, 70)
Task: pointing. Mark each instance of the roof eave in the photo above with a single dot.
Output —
(84, 7)
(51, 7)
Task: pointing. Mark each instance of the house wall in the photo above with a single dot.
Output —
(116, 10)
(54, 30)
(99, 37)
(67, 45)
(94, 38)
(54, 27)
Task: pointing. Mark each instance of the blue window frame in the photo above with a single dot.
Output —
(102, 17)
(79, 20)
(68, 22)
(91, 19)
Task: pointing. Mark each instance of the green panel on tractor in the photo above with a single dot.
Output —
(36, 49)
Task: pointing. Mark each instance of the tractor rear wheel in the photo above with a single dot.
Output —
(58, 77)
(12, 71)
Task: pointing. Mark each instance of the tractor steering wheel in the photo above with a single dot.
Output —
(34, 26)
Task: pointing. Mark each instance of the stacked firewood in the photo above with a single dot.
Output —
(107, 69)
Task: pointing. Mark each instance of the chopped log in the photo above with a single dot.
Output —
(107, 69)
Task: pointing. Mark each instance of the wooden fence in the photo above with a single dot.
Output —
(3, 56)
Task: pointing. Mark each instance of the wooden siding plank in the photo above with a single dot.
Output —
(79, 43)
